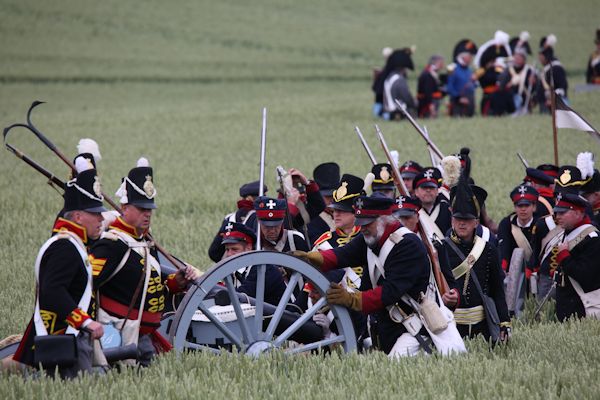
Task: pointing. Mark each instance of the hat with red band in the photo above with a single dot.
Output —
(429, 177)
(406, 206)
(524, 195)
(368, 208)
(410, 169)
(238, 233)
(269, 211)
(570, 201)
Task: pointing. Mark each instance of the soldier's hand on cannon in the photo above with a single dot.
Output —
(337, 294)
(315, 258)
(450, 298)
(95, 329)
(324, 322)
(187, 274)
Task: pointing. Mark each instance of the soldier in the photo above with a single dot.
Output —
(518, 79)
(516, 230)
(382, 180)
(474, 259)
(490, 67)
(243, 215)
(553, 72)
(395, 86)
(345, 229)
(434, 211)
(132, 287)
(409, 170)
(398, 271)
(238, 239)
(430, 89)
(64, 276)
(592, 74)
(591, 192)
(577, 258)
(461, 85)
(327, 176)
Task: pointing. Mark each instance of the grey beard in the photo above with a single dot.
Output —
(372, 241)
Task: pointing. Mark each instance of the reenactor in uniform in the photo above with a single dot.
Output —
(473, 258)
(461, 82)
(430, 89)
(517, 229)
(327, 176)
(493, 101)
(592, 74)
(591, 192)
(519, 77)
(243, 215)
(64, 301)
(398, 266)
(238, 239)
(382, 180)
(345, 229)
(578, 253)
(435, 210)
(553, 71)
(131, 285)
(408, 171)
(395, 85)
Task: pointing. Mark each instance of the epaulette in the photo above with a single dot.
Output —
(323, 238)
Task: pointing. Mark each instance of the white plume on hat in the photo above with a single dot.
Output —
(395, 157)
(501, 37)
(585, 163)
(550, 40)
(386, 51)
(524, 36)
(413, 48)
(143, 162)
(451, 170)
(89, 146)
(368, 181)
(82, 164)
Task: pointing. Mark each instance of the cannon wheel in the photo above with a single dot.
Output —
(254, 339)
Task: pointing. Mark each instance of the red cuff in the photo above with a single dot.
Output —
(371, 300)
(329, 260)
(173, 285)
(292, 209)
(562, 255)
(77, 317)
(504, 264)
(312, 187)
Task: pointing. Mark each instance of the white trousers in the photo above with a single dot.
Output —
(406, 346)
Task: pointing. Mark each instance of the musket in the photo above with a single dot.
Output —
(523, 160)
(365, 145)
(263, 147)
(424, 135)
(431, 251)
(56, 151)
(536, 313)
(435, 160)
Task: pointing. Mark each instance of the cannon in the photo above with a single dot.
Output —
(213, 316)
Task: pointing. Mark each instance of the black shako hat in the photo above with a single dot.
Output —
(547, 44)
(137, 188)
(410, 169)
(463, 201)
(569, 180)
(350, 187)
(593, 184)
(400, 58)
(383, 177)
(368, 208)
(538, 176)
(464, 46)
(327, 176)
(252, 189)
(238, 233)
(84, 192)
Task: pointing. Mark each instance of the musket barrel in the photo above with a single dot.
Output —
(263, 146)
(419, 129)
(365, 145)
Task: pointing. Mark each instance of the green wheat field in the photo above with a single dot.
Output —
(184, 83)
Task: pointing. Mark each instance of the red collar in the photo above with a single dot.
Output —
(389, 229)
(546, 192)
(62, 224)
(585, 220)
(245, 204)
(123, 226)
(596, 206)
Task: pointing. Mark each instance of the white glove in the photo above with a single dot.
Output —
(323, 322)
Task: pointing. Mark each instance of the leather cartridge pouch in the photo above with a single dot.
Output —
(55, 350)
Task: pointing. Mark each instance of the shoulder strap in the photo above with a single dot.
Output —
(247, 216)
(546, 204)
(328, 220)
(281, 242)
(429, 224)
(470, 259)
(521, 240)
(575, 237)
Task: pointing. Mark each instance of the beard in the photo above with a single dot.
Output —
(372, 241)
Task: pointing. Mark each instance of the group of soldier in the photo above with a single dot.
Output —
(371, 249)
(510, 84)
